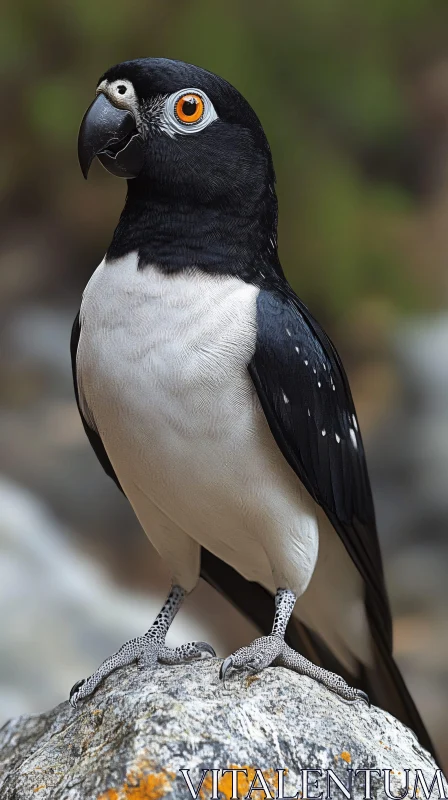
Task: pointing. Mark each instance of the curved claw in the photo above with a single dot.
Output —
(225, 666)
(363, 697)
(206, 648)
(73, 690)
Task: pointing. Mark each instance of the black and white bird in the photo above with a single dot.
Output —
(215, 400)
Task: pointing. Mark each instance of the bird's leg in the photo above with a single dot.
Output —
(146, 650)
(273, 650)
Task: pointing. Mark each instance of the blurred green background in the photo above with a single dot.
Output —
(354, 100)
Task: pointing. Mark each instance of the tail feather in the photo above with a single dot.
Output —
(383, 682)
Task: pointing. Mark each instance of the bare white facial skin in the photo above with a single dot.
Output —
(122, 94)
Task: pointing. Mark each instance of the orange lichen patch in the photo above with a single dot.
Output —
(251, 679)
(346, 757)
(38, 788)
(141, 784)
(243, 785)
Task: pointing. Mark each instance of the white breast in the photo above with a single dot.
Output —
(162, 371)
(165, 345)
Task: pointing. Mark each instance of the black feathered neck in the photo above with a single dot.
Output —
(176, 233)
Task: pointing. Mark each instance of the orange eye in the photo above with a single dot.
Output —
(189, 108)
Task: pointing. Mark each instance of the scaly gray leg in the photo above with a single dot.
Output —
(274, 650)
(146, 650)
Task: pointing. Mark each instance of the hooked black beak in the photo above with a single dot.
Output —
(111, 134)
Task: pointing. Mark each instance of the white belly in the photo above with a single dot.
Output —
(162, 371)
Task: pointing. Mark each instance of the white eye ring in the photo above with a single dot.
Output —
(171, 122)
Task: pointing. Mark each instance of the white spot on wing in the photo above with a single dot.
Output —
(319, 384)
(353, 438)
(288, 331)
(355, 424)
(324, 432)
(338, 438)
(306, 363)
(286, 399)
(297, 349)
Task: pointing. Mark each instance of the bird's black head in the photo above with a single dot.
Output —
(201, 181)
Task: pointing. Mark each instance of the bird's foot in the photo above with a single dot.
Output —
(146, 651)
(273, 650)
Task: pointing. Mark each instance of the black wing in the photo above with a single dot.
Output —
(92, 435)
(307, 401)
(306, 398)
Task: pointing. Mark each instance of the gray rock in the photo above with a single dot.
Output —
(131, 740)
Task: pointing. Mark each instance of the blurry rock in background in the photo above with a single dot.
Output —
(62, 615)
(409, 468)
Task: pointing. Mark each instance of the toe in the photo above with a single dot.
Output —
(148, 656)
(254, 658)
(74, 693)
(226, 665)
(205, 647)
(363, 697)
(84, 688)
(190, 651)
(258, 655)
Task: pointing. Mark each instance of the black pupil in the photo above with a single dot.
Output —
(122, 89)
(189, 106)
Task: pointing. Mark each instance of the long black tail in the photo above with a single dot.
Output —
(383, 683)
